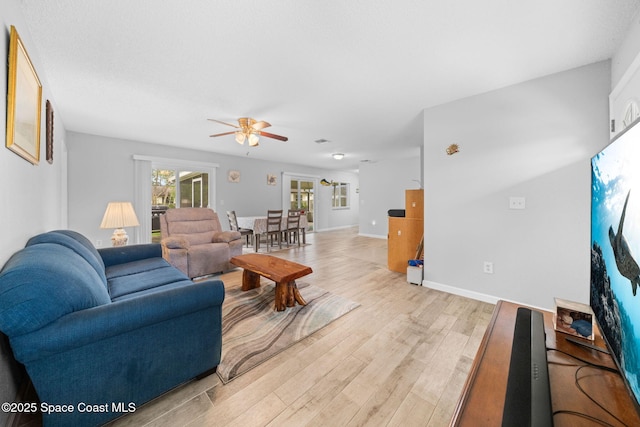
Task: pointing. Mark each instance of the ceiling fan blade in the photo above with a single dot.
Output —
(224, 123)
(271, 135)
(225, 133)
(260, 125)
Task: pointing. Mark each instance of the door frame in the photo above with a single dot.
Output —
(286, 190)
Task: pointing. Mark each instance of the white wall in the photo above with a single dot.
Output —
(102, 169)
(33, 197)
(533, 140)
(382, 186)
(627, 52)
(625, 76)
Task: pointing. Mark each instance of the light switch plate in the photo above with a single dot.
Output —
(517, 202)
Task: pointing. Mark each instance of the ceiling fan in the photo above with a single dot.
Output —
(249, 129)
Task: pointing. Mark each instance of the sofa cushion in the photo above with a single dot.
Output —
(204, 258)
(77, 243)
(132, 277)
(191, 221)
(226, 236)
(198, 238)
(43, 282)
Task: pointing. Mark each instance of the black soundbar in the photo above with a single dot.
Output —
(528, 398)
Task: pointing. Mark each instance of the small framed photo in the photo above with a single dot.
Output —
(574, 318)
(271, 179)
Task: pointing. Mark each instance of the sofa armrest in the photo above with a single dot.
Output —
(85, 327)
(226, 236)
(122, 254)
(173, 242)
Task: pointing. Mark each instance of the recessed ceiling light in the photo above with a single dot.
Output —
(338, 156)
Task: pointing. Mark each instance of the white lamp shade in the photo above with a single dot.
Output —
(253, 140)
(240, 137)
(119, 215)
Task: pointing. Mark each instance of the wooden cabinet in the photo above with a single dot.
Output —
(414, 204)
(483, 396)
(406, 233)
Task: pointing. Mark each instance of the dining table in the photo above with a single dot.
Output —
(259, 226)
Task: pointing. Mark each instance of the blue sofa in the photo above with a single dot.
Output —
(104, 331)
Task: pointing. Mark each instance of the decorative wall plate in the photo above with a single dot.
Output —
(233, 176)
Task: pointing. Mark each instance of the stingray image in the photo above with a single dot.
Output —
(627, 265)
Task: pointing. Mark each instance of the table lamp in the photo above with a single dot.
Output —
(119, 215)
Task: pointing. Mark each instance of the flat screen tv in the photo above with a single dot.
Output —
(615, 251)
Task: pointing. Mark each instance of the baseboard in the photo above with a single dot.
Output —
(342, 227)
(491, 299)
(375, 236)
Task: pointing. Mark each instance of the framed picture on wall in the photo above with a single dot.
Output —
(24, 98)
(271, 179)
(49, 130)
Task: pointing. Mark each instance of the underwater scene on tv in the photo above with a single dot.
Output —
(615, 250)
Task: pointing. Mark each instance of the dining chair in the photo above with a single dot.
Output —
(274, 228)
(293, 227)
(303, 228)
(233, 225)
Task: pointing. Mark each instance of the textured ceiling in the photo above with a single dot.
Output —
(357, 73)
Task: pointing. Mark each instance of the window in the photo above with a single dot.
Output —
(192, 192)
(340, 197)
(174, 184)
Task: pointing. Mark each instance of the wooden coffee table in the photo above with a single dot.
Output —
(281, 271)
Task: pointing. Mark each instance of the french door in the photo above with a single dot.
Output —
(301, 196)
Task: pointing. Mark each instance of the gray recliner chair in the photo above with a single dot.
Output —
(193, 241)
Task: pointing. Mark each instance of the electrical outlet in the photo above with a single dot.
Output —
(516, 202)
(98, 243)
(488, 267)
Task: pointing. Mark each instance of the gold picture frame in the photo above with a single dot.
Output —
(24, 100)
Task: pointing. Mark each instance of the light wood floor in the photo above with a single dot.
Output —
(400, 359)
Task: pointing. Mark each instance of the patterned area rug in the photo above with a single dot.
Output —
(252, 331)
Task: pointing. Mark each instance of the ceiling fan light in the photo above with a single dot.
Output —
(240, 137)
(253, 140)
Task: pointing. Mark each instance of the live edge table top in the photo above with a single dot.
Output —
(277, 269)
(281, 271)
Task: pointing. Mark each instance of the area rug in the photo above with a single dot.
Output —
(253, 332)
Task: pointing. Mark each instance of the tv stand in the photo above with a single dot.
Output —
(483, 396)
(583, 343)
